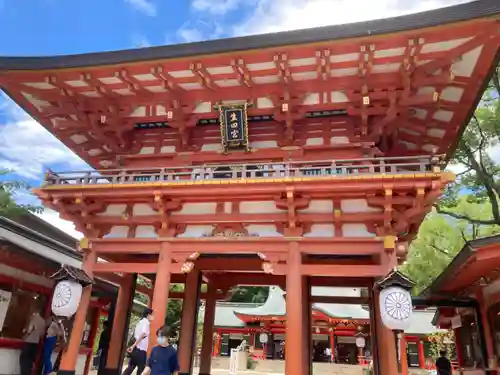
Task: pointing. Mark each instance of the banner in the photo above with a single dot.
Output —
(234, 127)
(5, 298)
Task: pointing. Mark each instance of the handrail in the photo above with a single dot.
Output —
(387, 165)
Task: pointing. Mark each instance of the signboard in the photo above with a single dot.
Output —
(233, 362)
(234, 127)
(5, 298)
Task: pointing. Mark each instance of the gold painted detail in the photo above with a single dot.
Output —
(389, 242)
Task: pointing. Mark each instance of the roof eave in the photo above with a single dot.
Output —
(438, 17)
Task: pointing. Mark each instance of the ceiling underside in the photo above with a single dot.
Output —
(406, 93)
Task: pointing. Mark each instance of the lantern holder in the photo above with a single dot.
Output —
(67, 272)
(396, 279)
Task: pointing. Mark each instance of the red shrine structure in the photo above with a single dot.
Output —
(299, 159)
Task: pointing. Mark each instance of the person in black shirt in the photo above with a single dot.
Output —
(443, 364)
(163, 359)
(104, 346)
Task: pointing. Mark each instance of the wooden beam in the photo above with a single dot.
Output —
(341, 300)
(125, 267)
(343, 270)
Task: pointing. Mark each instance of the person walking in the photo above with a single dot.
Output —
(104, 346)
(32, 336)
(138, 350)
(163, 359)
(53, 332)
(443, 364)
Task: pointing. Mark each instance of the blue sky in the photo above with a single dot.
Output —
(53, 27)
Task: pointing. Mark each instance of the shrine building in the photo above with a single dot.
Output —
(334, 326)
(298, 159)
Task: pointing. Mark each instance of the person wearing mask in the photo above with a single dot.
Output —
(163, 359)
(443, 364)
(32, 336)
(138, 350)
(53, 332)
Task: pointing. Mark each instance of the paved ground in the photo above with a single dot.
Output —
(220, 372)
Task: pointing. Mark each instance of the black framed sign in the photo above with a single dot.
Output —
(234, 127)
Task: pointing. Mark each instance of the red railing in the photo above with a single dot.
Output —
(270, 170)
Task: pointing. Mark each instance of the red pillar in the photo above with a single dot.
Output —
(92, 337)
(294, 353)
(458, 347)
(208, 328)
(119, 328)
(189, 322)
(421, 354)
(70, 356)
(160, 293)
(332, 343)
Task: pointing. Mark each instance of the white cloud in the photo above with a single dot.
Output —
(140, 41)
(188, 34)
(218, 7)
(282, 15)
(29, 149)
(145, 6)
(52, 217)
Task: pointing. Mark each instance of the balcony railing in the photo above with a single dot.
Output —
(270, 170)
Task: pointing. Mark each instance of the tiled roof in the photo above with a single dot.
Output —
(73, 273)
(225, 315)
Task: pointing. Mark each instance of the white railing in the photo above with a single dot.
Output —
(395, 165)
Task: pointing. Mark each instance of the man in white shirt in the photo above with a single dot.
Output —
(32, 335)
(138, 350)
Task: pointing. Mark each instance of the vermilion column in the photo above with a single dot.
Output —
(119, 328)
(387, 355)
(70, 356)
(421, 354)
(458, 346)
(93, 334)
(160, 293)
(188, 322)
(332, 344)
(208, 327)
(294, 354)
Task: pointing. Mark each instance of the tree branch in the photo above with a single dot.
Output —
(464, 217)
(489, 185)
(440, 250)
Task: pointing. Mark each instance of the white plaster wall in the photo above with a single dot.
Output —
(356, 230)
(195, 231)
(263, 230)
(197, 209)
(357, 205)
(263, 144)
(259, 207)
(142, 209)
(321, 230)
(145, 231)
(114, 210)
(318, 207)
(118, 231)
(9, 362)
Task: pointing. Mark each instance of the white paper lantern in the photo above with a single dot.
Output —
(395, 308)
(66, 299)
(360, 342)
(263, 338)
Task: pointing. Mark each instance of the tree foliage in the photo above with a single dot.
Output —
(249, 294)
(441, 238)
(442, 341)
(478, 151)
(10, 190)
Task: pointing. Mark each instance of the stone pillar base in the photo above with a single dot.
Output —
(204, 373)
(66, 372)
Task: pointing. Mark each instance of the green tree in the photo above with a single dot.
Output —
(249, 294)
(480, 182)
(10, 190)
(441, 237)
